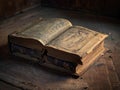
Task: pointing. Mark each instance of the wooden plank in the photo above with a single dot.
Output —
(29, 75)
(97, 77)
(115, 56)
(112, 73)
(6, 86)
(11, 7)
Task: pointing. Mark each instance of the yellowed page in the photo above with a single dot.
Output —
(76, 40)
(46, 30)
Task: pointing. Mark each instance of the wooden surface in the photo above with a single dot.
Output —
(18, 73)
(11, 7)
(28, 75)
(6, 86)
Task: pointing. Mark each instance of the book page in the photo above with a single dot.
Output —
(46, 30)
(77, 40)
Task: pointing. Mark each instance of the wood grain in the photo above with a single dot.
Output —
(11, 7)
(102, 75)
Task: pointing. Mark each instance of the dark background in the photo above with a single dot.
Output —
(109, 8)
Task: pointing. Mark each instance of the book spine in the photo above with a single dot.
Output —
(25, 52)
(70, 66)
(36, 55)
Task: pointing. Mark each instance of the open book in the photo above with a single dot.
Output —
(57, 44)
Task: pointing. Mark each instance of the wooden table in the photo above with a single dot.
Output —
(23, 74)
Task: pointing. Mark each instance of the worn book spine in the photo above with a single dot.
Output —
(70, 66)
(25, 52)
(41, 57)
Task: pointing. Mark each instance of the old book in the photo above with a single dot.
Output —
(57, 44)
